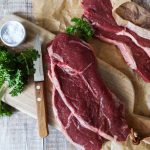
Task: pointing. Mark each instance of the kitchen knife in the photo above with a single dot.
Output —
(39, 90)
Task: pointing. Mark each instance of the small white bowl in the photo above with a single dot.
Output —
(12, 33)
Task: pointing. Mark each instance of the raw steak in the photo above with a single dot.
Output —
(135, 49)
(72, 129)
(92, 106)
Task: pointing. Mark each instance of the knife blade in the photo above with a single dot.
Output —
(39, 90)
(38, 64)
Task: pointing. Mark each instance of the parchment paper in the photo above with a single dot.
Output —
(140, 13)
(134, 13)
(55, 15)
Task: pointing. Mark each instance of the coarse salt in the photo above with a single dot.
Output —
(12, 33)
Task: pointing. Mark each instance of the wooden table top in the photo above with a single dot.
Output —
(20, 131)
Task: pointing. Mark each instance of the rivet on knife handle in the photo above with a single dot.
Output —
(41, 110)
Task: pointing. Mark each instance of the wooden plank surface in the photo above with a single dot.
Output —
(26, 102)
(20, 131)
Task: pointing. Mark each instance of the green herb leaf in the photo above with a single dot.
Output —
(81, 29)
(26, 59)
(5, 110)
(17, 83)
(15, 69)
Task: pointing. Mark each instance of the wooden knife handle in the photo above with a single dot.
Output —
(41, 110)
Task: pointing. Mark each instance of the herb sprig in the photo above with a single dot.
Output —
(15, 69)
(80, 28)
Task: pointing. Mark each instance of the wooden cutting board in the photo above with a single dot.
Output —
(118, 82)
(25, 102)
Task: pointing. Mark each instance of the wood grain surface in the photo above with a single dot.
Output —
(41, 109)
(20, 131)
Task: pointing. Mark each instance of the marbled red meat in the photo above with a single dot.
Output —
(72, 129)
(99, 13)
(83, 94)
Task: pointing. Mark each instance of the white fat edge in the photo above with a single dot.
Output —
(83, 43)
(125, 51)
(146, 49)
(54, 55)
(83, 123)
(49, 75)
(127, 54)
(89, 65)
(50, 50)
(62, 128)
(139, 30)
(100, 26)
(101, 103)
(72, 71)
(68, 69)
(68, 123)
(57, 57)
(53, 105)
(57, 86)
(87, 84)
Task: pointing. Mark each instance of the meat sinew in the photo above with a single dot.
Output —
(72, 129)
(134, 49)
(89, 113)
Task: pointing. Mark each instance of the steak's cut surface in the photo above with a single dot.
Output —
(135, 49)
(81, 94)
(72, 129)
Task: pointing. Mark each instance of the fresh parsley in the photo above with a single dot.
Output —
(80, 28)
(5, 110)
(15, 69)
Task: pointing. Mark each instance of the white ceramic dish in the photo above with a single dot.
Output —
(12, 33)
